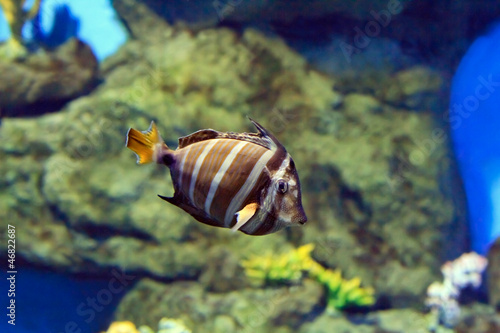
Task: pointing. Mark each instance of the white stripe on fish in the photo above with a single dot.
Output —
(214, 185)
(197, 167)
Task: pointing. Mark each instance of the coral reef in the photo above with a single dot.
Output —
(285, 268)
(166, 325)
(372, 150)
(458, 274)
(289, 268)
(243, 310)
(413, 88)
(343, 293)
(370, 197)
(378, 184)
(410, 24)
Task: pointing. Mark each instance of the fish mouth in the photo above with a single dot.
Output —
(302, 219)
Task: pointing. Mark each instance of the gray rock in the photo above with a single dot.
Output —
(493, 274)
(45, 80)
(245, 310)
(341, 324)
(478, 318)
(416, 88)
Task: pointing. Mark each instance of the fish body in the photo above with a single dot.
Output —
(242, 181)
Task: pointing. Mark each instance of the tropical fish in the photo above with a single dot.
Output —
(242, 181)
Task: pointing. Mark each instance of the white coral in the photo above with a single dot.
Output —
(458, 274)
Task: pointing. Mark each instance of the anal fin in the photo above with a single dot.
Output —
(180, 201)
(173, 200)
(244, 215)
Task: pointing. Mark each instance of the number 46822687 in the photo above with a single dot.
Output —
(11, 247)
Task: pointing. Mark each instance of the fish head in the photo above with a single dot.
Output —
(287, 198)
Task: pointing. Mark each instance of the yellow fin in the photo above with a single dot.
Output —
(146, 145)
(244, 215)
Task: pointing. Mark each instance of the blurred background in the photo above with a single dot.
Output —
(388, 108)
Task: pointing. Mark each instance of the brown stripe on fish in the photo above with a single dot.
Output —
(209, 169)
(195, 151)
(275, 162)
(179, 170)
(234, 178)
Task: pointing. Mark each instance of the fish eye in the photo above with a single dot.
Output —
(282, 186)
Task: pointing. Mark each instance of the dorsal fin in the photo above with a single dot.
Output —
(264, 134)
(263, 138)
(201, 135)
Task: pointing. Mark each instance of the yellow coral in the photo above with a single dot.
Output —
(122, 327)
(290, 266)
(166, 325)
(269, 268)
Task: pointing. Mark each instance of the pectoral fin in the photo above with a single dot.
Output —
(244, 215)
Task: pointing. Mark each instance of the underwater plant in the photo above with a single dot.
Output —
(166, 325)
(442, 297)
(274, 269)
(292, 266)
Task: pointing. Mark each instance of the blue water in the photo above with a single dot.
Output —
(98, 24)
(475, 124)
(48, 302)
(4, 28)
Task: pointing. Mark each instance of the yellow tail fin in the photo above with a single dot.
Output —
(146, 145)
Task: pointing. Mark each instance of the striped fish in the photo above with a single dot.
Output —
(242, 181)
